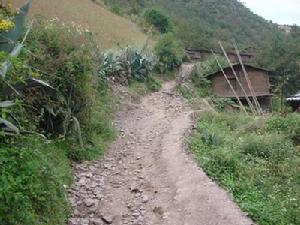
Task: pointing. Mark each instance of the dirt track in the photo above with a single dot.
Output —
(146, 177)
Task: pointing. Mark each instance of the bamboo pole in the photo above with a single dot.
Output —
(238, 80)
(259, 109)
(234, 92)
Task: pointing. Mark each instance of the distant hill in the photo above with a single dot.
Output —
(201, 23)
(109, 29)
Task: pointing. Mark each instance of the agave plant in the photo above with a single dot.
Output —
(128, 63)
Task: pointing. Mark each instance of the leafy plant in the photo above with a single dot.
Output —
(170, 53)
(159, 20)
(221, 103)
(131, 63)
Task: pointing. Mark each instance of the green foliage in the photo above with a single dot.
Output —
(159, 20)
(169, 52)
(211, 66)
(221, 103)
(272, 147)
(33, 177)
(280, 53)
(257, 166)
(289, 126)
(130, 63)
(66, 92)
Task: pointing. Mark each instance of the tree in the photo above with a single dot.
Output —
(159, 20)
(169, 51)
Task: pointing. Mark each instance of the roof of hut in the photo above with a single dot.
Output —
(237, 65)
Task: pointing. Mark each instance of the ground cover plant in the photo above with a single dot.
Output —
(256, 160)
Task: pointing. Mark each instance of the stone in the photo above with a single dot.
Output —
(145, 199)
(108, 218)
(89, 202)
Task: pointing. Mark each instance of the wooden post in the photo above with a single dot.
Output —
(259, 109)
(234, 92)
(238, 80)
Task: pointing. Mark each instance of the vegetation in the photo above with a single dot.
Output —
(156, 18)
(255, 160)
(129, 64)
(201, 24)
(170, 53)
(58, 109)
(64, 107)
(33, 177)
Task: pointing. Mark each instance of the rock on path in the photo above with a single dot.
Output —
(146, 178)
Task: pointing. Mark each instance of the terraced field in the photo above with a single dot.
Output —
(109, 29)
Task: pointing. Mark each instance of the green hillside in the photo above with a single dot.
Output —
(201, 23)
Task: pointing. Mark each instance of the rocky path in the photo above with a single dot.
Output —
(146, 177)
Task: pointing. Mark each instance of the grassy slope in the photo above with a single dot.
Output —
(108, 28)
(255, 160)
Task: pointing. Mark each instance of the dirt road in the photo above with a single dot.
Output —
(146, 177)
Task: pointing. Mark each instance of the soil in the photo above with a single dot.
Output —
(147, 177)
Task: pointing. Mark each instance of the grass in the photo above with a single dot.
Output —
(256, 160)
(109, 29)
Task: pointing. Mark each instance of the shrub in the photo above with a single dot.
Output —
(32, 177)
(288, 125)
(221, 103)
(273, 147)
(170, 53)
(159, 20)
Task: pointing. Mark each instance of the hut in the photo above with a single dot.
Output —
(294, 101)
(259, 79)
(203, 55)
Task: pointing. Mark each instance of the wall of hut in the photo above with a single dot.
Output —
(259, 80)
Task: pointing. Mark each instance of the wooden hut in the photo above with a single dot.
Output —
(259, 79)
(294, 101)
(203, 54)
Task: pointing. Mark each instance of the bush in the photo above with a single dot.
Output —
(33, 176)
(289, 125)
(65, 55)
(159, 20)
(273, 147)
(170, 53)
(131, 63)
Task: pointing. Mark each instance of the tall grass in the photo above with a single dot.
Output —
(256, 160)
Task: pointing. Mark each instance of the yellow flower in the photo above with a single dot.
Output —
(6, 25)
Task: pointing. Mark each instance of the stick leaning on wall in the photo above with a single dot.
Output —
(228, 81)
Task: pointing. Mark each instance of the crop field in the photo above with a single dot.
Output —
(110, 30)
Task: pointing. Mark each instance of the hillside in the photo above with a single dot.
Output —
(108, 28)
(201, 23)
